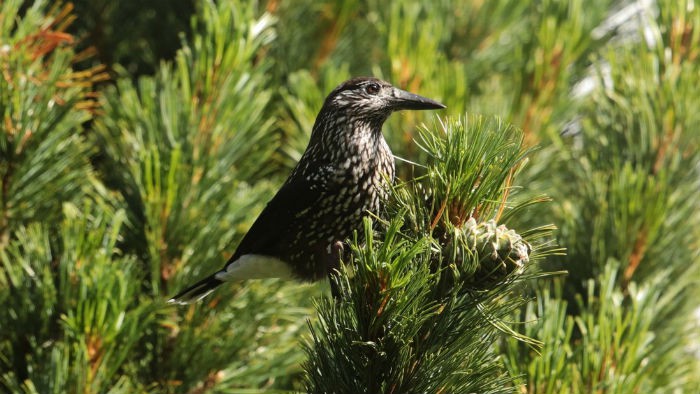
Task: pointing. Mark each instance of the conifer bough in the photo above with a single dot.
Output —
(339, 178)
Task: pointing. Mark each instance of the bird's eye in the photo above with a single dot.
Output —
(372, 88)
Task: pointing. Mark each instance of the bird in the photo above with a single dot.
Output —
(341, 177)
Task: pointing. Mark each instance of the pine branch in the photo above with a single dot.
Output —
(423, 300)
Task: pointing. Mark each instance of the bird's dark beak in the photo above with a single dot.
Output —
(405, 100)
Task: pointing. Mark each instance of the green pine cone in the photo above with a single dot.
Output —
(493, 251)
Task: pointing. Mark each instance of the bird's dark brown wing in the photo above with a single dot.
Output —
(268, 235)
(277, 222)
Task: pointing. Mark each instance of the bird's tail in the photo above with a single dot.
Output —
(197, 291)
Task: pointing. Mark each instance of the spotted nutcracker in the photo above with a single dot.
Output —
(339, 179)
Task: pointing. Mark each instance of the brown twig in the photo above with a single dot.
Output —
(638, 252)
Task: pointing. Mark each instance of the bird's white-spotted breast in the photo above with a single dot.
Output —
(350, 182)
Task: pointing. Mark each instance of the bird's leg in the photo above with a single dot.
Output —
(337, 250)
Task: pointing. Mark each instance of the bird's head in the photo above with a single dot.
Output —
(371, 98)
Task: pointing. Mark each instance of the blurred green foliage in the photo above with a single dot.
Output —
(138, 140)
(137, 35)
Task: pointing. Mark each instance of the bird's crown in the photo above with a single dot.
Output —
(358, 92)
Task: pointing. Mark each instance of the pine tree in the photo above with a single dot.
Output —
(541, 237)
